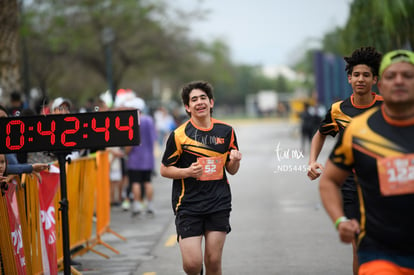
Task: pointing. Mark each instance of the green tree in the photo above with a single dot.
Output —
(150, 41)
(10, 77)
(69, 35)
(386, 24)
(281, 84)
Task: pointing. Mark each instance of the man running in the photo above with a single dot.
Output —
(362, 70)
(378, 146)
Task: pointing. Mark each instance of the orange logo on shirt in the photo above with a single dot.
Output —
(219, 140)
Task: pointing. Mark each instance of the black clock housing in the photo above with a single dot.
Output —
(68, 132)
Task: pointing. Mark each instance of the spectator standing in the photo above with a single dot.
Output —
(13, 165)
(62, 106)
(115, 174)
(141, 161)
(309, 124)
(3, 177)
(164, 123)
(16, 104)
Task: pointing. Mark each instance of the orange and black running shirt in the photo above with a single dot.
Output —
(337, 119)
(381, 152)
(211, 147)
(341, 113)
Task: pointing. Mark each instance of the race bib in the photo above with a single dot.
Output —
(212, 168)
(396, 175)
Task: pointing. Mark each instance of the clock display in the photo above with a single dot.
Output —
(69, 132)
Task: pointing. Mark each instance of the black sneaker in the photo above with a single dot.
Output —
(150, 212)
(75, 263)
(115, 204)
(135, 213)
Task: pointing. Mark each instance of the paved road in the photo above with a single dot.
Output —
(278, 225)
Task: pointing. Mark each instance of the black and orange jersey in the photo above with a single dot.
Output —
(337, 119)
(186, 145)
(341, 113)
(381, 152)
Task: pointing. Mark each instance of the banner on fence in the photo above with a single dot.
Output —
(15, 227)
(48, 186)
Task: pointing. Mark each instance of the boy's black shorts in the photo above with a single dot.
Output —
(196, 225)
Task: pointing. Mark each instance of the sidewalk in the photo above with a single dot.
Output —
(142, 234)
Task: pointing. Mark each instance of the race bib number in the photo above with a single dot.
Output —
(212, 168)
(396, 175)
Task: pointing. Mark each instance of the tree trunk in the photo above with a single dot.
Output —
(9, 54)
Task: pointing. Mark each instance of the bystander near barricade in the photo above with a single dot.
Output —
(31, 235)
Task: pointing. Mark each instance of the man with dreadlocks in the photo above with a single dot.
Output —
(362, 70)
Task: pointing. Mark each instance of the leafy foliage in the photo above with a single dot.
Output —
(70, 43)
(386, 25)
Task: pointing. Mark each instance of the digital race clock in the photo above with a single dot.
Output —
(69, 132)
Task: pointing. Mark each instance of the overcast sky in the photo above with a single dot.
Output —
(268, 32)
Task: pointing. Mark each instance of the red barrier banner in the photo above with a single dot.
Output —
(15, 227)
(48, 186)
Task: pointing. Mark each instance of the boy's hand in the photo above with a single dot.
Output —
(235, 155)
(196, 170)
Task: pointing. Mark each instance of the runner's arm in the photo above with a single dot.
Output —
(172, 172)
(233, 165)
(330, 193)
(317, 143)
